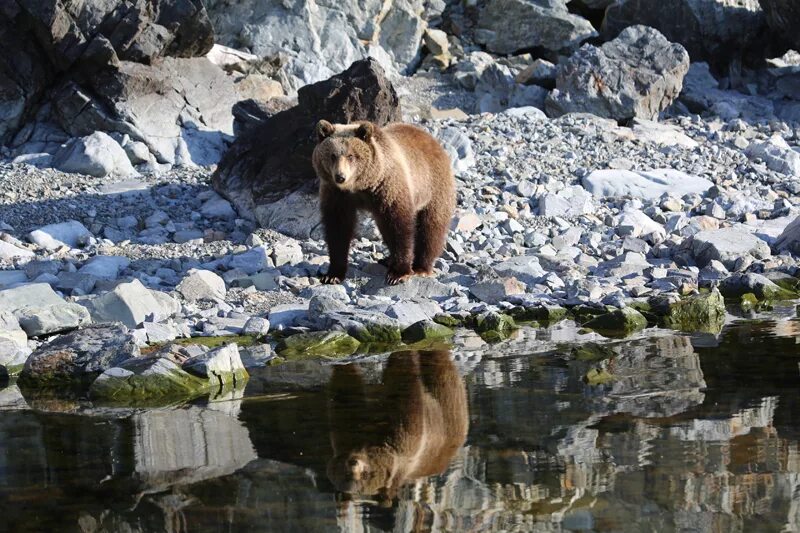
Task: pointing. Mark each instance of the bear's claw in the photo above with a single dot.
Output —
(328, 279)
(393, 278)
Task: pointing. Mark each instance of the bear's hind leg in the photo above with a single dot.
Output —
(432, 227)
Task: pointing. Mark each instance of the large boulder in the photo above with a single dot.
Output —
(272, 160)
(508, 26)
(43, 39)
(783, 17)
(647, 185)
(638, 74)
(40, 311)
(315, 39)
(711, 30)
(726, 245)
(95, 155)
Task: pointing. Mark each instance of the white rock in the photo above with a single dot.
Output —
(496, 291)
(218, 207)
(458, 147)
(202, 285)
(130, 303)
(286, 315)
(9, 251)
(647, 185)
(287, 252)
(95, 155)
(408, 312)
(777, 154)
(223, 365)
(727, 245)
(635, 223)
(71, 233)
(663, 134)
(256, 326)
(525, 268)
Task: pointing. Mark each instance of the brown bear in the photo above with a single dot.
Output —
(398, 173)
(409, 427)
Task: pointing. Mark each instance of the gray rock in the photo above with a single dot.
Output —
(638, 74)
(710, 30)
(55, 318)
(727, 245)
(569, 202)
(217, 207)
(256, 326)
(416, 287)
(79, 355)
(736, 285)
(287, 252)
(147, 378)
(71, 233)
(458, 147)
(525, 268)
(202, 285)
(783, 17)
(9, 251)
(496, 291)
(105, 267)
(286, 315)
(12, 277)
(95, 155)
(789, 239)
(507, 26)
(253, 260)
(647, 185)
(408, 312)
(159, 333)
(75, 283)
(129, 303)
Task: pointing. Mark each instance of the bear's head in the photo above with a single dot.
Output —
(365, 472)
(344, 153)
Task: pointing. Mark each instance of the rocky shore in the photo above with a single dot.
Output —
(657, 196)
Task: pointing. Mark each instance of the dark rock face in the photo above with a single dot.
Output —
(273, 159)
(43, 39)
(79, 355)
(783, 17)
(715, 31)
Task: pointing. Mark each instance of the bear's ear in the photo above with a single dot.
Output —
(324, 130)
(365, 131)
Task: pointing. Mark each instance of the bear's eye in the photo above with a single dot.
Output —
(352, 158)
(333, 157)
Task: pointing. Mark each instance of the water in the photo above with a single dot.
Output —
(680, 434)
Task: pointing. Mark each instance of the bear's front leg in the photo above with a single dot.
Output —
(339, 221)
(397, 224)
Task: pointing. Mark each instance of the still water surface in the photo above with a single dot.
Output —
(681, 434)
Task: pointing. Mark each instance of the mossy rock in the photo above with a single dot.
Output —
(736, 285)
(317, 343)
(154, 379)
(450, 321)
(376, 333)
(748, 301)
(618, 323)
(493, 326)
(585, 313)
(698, 313)
(592, 352)
(540, 313)
(426, 330)
(599, 376)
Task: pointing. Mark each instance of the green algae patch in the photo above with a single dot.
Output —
(598, 376)
(426, 330)
(697, 313)
(209, 342)
(332, 344)
(148, 378)
(585, 313)
(493, 326)
(450, 321)
(618, 323)
(376, 333)
(593, 352)
(748, 301)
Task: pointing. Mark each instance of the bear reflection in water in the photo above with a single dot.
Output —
(408, 427)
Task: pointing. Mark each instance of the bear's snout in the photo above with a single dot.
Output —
(340, 178)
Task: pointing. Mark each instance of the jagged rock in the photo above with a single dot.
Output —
(647, 185)
(710, 30)
(496, 291)
(95, 155)
(638, 74)
(458, 147)
(40, 311)
(507, 26)
(273, 159)
(777, 154)
(45, 38)
(79, 356)
(727, 245)
(426, 330)
(789, 239)
(783, 17)
(105, 266)
(525, 268)
(220, 366)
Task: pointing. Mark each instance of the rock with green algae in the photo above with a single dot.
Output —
(448, 320)
(493, 326)
(619, 322)
(147, 378)
(584, 313)
(317, 343)
(426, 330)
(703, 312)
(599, 376)
(736, 285)
(748, 301)
(539, 313)
(79, 357)
(366, 327)
(593, 352)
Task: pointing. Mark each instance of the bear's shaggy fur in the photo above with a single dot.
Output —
(398, 173)
(410, 427)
